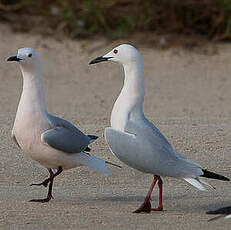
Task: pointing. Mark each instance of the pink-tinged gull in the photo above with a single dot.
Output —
(53, 142)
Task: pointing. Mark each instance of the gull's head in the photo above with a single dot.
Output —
(123, 54)
(27, 57)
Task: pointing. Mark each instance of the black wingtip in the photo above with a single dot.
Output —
(225, 211)
(214, 212)
(87, 149)
(92, 137)
(213, 175)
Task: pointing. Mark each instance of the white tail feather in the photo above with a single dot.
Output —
(227, 217)
(195, 183)
(94, 163)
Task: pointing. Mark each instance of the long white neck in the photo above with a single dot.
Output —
(129, 104)
(33, 97)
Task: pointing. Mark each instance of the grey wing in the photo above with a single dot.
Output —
(163, 141)
(158, 141)
(138, 152)
(147, 130)
(65, 136)
(65, 140)
(14, 139)
(150, 151)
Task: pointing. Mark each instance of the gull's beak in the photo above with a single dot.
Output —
(14, 58)
(99, 59)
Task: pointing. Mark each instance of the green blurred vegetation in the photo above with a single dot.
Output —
(117, 18)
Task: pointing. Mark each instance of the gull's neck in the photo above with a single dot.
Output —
(129, 104)
(33, 97)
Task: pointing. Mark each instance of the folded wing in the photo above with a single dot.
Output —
(64, 136)
(65, 140)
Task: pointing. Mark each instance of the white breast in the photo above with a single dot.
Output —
(119, 115)
(28, 135)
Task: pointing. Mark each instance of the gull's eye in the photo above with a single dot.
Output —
(29, 55)
(115, 51)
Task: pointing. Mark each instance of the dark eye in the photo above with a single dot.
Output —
(29, 55)
(115, 51)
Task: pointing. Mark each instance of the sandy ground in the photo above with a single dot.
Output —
(188, 97)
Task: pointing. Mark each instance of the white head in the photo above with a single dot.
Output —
(27, 57)
(123, 54)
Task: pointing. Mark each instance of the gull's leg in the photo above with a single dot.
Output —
(51, 180)
(45, 182)
(160, 185)
(146, 206)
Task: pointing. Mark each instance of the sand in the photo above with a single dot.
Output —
(187, 98)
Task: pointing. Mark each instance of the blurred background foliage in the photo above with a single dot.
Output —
(117, 18)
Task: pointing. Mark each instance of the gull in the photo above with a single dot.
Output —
(136, 141)
(53, 142)
(222, 212)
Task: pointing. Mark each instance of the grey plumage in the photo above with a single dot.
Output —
(159, 156)
(65, 136)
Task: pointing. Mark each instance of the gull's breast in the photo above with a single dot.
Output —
(28, 130)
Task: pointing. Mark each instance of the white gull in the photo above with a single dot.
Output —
(136, 141)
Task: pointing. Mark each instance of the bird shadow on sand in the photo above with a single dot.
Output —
(120, 198)
(187, 207)
(136, 198)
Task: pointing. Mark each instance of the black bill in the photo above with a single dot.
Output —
(99, 59)
(14, 58)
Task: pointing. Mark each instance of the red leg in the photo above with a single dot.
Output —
(160, 185)
(51, 180)
(146, 206)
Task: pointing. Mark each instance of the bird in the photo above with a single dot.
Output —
(52, 141)
(222, 212)
(136, 141)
